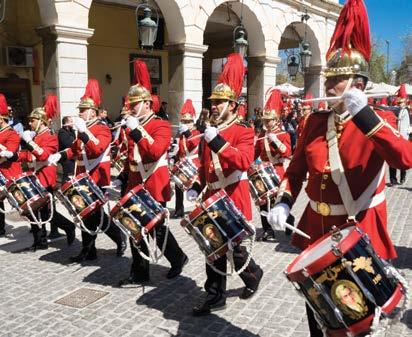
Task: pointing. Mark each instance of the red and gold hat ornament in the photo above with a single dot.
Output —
(155, 103)
(141, 90)
(92, 96)
(4, 111)
(273, 106)
(49, 110)
(230, 82)
(350, 46)
(402, 95)
(187, 112)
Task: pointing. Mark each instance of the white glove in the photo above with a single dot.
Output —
(54, 158)
(28, 136)
(132, 122)
(117, 183)
(6, 154)
(210, 133)
(355, 100)
(278, 215)
(191, 195)
(80, 124)
(273, 138)
(183, 128)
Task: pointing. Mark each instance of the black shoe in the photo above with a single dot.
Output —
(134, 280)
(70, 236)
(177, 270)
(394, 182)
(249, 292)
(121, 248)
(54, 235)
(212, 303)
(2, 232)
(402, 182)
(267, 235)
(38, 246)
(85, 254)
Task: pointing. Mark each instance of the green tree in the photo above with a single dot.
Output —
(377, 65)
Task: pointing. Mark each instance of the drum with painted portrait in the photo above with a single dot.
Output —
(264, 183)
(184, 173)
(137, 211)
(344, 281)
(215, 224)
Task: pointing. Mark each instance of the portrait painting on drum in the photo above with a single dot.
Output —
(349, 298)
(212, 234)
(78, 202)
(130, 225)
(260, 186)
(19, 196)
(182, 178)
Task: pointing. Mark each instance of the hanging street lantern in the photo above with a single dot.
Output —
(240, 43)
(147, 27)
(293, 65)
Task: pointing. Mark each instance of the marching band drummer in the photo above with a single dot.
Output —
(344, 150)
(188, 147)
(9, 147)
(92, 151)
(148, 141)
(226, 155)
(273, 146)
(41, 143)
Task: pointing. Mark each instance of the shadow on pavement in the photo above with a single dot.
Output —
(404, 260)
(176, 299)
(407, 318)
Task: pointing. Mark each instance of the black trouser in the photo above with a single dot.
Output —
(314, 329)
(392, 175)
(2, 217)
(250, 276)
(60, 221)
(91, 222)
(173, 253)
(179, 208)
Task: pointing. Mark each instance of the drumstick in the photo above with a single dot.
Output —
(338, 98)
(292, 228)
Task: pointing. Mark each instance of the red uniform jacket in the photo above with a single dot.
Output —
(95, 144)
(152, 140)
(10, 141)
(235, 148)
(44, 144)
(365, 143)
(278, 153)
(189, 147)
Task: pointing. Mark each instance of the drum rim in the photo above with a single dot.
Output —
(24, 207)
(327, 259)
(207, 203)
(23, 175)
(364, 324)
(251, 170)
(76, 178)
(126, 197)
(85, 212)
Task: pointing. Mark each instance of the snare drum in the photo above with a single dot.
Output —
(27, 192)
(3, 188)
(81, 196)
(216, 222)
(264, 182)
(344, 280)
(137, 210)
(184, 173)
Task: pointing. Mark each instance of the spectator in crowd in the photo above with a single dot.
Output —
(102, 115)
(163, 114)
(14, 122)
(66, 138)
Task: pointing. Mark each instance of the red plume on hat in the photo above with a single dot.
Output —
(322, 105)
(352, 30)
(310, 103)
(3, 106)
(233, 73)
(274, 105)
(155, 103)
(188, 111)
(142, 75)
(383, 101)
(51, 106)
(93, 91)
(401, 94)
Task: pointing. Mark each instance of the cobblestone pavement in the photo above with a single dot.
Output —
(31, 283)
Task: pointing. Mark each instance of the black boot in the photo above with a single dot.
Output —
(121, 247)
(248, 292)
(86, 253)
(39, 237)
(70, 235)
(214, 301)
(177, 270)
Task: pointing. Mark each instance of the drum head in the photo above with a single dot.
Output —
(317, 251)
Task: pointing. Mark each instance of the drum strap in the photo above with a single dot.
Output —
(146, 170)
(339, 178)
(92, 163)
(272, 158)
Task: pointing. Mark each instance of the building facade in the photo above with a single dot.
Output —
(72, 40)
